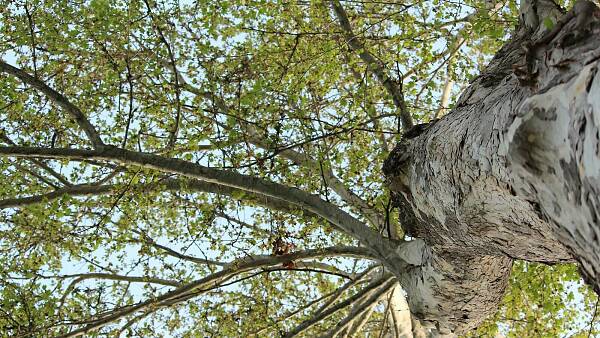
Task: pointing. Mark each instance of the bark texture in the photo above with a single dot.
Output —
(511, 173)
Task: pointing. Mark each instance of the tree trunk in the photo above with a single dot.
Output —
(511, 173)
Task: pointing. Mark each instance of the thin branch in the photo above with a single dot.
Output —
(360, 308)
(200, 286)
(36, 175)
(173, 253)
(383, 327)
(333, 295)
(168, 184)
(340, 291)
(109, 276)
(163, 39)
(75, 190)
(377, 67)
(306, 269)
(593, 318)
(32, 35)
(292, 313)
(38, 163)
(242, 223)
(58, 99)
(323, 267)
(331, 180)
(340, 306)
(302, 159)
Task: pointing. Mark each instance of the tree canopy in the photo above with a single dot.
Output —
(199, 168)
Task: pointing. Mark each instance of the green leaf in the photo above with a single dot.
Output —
(548, 23)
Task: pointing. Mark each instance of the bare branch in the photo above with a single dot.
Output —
(58, 99)
(343, 288)
(324, 267)
(360, 322)
(109, 276)
(332, 295)
(290, 314)
(331, 180)
(242, 223)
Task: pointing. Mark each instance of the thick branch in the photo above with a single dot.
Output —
(382, 248)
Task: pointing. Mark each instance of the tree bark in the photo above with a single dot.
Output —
(512, 172)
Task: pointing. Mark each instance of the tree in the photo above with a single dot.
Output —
(214, 168)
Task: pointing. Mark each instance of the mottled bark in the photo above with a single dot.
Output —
(511, 173)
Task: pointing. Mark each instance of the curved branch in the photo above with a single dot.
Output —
(76, 190)
(323, 267)
(381, 247)
(58, 99)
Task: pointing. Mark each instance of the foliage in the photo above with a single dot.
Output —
(267, 88)
(544, 301)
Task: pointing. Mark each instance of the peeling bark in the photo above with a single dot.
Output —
(512, 172)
